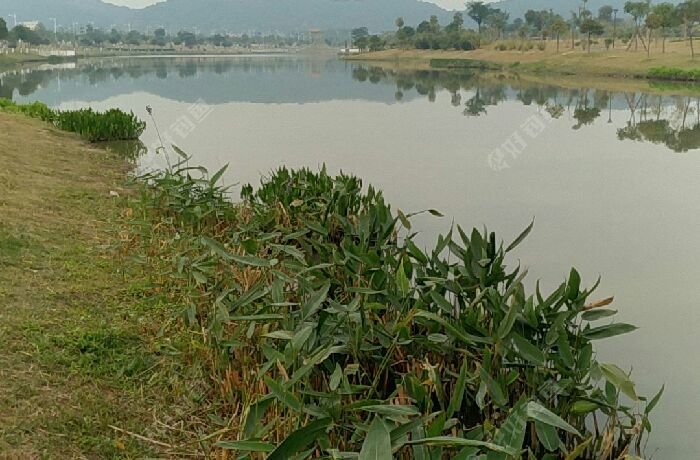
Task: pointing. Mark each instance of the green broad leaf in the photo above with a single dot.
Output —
(654, 401)
(435, 213)
(301, 336)
(315, 301)
(595, 315)
(494, 388)
(452, 329)
(610, 330)
(618, 378)
(377, 445)
(392, 411)
(402, 281)
(398, 435)
(582, 407)
(438, 338)
(301, 439)
(252, 261)
(246, 446)
(270, 317)
(539, 413)
(574, 285)
(521, 237)
(511, 435)
(564, 349)
(448, 441)
(283, 396)
(547, 435)
(404, 220)
(459, 390)
(509, 321)
(218, 175)
(527, 350)
(336, 377)
(255, 413)
(216, 247)
(415, 252)
(282, 335)
(442, 302)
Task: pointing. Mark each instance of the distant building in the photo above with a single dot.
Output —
(31, 25)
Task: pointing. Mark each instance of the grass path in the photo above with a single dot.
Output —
(78, 357)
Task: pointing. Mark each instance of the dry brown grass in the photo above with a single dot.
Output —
(601, 63)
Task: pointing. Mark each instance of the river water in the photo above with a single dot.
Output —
(611, 176)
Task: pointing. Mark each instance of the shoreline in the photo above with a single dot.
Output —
(615, 64)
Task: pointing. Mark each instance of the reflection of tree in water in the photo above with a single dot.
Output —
(475, 92)
(585, 113)
(675, 132)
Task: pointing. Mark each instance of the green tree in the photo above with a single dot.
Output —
(423, 28)
(26, 35)
(133, 38)
(4, 33)
(376, 43)
(456, 25)
(638, 11)
(668, 17)
(559, 26)
(605, 13)
(498, 21)
(689, 12)
(653, 22)
(400, 23)
(538, 20)
(359, 35)
(591, 27)
(479, 12)
(434, 24)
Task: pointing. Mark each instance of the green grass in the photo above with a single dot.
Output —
(80, 352)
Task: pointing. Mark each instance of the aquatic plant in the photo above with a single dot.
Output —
(112, 125)
(329, 333)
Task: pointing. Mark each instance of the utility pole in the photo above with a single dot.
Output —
(614, 26)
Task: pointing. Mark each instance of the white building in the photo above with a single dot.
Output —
(31, 25)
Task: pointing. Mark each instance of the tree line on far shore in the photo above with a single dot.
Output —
(635, 26)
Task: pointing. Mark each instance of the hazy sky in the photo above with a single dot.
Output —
(451, 4)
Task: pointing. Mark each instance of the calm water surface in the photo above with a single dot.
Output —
(612, 178)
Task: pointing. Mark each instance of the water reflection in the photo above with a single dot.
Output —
(675, 123)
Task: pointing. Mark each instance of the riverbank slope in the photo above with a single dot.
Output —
(79, 362)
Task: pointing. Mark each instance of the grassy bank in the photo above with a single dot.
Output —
(617, 63)
(80, 362)
(9, 60)
(165, 319)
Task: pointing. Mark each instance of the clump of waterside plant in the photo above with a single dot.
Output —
(329, 333)
(112, 125)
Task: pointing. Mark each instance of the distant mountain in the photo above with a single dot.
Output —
(232, 15)
(517, 8)
(66, 12)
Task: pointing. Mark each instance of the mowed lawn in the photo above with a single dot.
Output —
(82, 373)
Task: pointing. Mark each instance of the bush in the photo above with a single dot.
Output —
(328, 330)
(542, 46)
(673, 73)
(111, 125)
